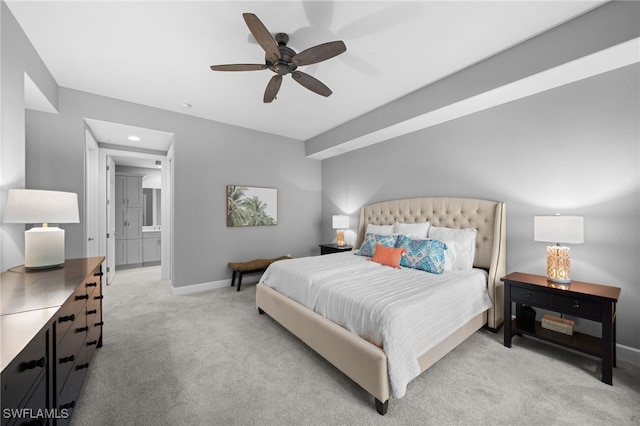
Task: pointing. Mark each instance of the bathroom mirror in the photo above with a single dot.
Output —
(152, 201)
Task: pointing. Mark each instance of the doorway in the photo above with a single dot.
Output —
(100, 178)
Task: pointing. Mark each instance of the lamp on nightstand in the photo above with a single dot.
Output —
(559, 229)
(43, 246)
(340, 223)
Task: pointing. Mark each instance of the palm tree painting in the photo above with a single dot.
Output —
(251, 206)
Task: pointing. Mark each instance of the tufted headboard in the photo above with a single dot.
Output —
(487, 217)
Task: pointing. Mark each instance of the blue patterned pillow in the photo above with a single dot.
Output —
(370, 242)
(426, 255)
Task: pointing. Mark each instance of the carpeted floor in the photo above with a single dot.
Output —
(210, 359)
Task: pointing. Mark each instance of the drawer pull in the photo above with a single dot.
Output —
(33, 364)
(82, 297)
(528, 295)
(91, 312)
(91, 343)
(98, 274)
(576, 304)
(98, 297)
(67, 318)
(98, 324)
(66, 359)
(81, 366)
(92, 284)
(68, 405)
(82, 329)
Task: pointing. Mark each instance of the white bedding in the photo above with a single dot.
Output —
(404, 311)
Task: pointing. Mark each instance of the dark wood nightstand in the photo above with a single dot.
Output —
(578, 299)
(333, 248)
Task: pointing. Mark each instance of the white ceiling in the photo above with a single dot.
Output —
(159, 53)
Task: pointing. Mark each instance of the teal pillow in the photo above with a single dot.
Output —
(424, 254)
(370, 242)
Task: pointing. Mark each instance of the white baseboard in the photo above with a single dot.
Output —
(628, 354)
(197, 288)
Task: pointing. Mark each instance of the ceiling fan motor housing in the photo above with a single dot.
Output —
(284, 65)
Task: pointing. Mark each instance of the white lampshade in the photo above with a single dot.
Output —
(43, 246)
(559, 229)
(37, 206)
(340, 221)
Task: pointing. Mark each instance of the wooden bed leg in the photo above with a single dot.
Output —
(382, 406)
(260, 311)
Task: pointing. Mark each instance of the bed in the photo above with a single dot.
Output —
(363, 359)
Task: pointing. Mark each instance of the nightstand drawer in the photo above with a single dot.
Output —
(525, 295)
(579, 307)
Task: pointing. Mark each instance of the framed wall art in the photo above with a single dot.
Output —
(251, 206)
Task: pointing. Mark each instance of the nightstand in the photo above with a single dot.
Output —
(333, 248)
(594, 302)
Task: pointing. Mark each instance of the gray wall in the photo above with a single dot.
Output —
(571, 150)
(18, 57)
(208, 156)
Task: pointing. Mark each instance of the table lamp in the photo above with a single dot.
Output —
(559, 229)
(340, 223)
(43, 246)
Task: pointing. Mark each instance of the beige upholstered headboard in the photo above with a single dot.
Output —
(487, 217)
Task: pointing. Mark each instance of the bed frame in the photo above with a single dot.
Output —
(364, 362)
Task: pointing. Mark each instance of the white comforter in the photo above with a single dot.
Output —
(404, 311)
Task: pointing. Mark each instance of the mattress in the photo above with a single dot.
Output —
(404, 311)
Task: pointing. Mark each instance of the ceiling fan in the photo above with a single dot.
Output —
(283, 60)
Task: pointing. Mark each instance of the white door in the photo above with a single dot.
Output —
(92, 192)
(111, 220)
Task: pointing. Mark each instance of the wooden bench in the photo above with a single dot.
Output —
(251, 267)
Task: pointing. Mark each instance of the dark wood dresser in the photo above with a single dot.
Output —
(50, 326)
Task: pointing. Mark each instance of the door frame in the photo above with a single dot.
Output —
(166, 210)
(92, 189)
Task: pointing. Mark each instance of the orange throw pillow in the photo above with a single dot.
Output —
(389, 256)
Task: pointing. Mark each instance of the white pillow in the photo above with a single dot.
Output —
(413, 230)
(379, 229)
(461, 246)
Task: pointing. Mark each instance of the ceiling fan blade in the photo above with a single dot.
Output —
(319, 53)
(272, 88)
(262, 36)
(311, 83)
(239, 67)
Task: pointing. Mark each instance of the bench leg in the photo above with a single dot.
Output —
(233, 279)
(239, 281)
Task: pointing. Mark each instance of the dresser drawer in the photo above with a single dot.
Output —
(91, 285)
(24, 372)
(68, 395)
(70, 311)
(578, 307)
(93, 313)
(68, 350)
(528, 296)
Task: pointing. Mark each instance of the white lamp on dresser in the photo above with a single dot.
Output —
(43, 246)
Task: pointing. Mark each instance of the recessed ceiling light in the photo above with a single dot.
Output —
(133, 138)
(186, 105)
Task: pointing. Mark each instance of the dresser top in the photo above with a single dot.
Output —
(23, 291)
(29, 299)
